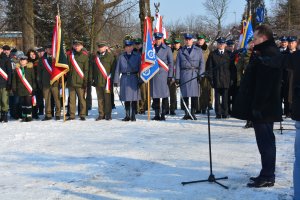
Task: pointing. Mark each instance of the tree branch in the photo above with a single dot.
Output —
(111, 4)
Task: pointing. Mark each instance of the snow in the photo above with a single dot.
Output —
(136, 160)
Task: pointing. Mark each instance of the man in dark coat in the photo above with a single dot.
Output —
(159, 83)
(259, 100)
(294, 67)
(128, 66)
(219, 67)
(189, 66)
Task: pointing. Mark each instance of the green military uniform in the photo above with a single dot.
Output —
(25, 97)
(5, 86)
(76, 83)
(100, 82)
(172, 86)
(43, 79)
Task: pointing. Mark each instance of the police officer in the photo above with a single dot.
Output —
(283, 44)
(189, 65)
(77, 78)
(128, 66)
(218, 65)
(159, 83)
(205, 87)
(43, 79)
(5, 85)
(103, 65)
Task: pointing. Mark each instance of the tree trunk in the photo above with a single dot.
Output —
(294, 6)
(144, 11)
(28, 25)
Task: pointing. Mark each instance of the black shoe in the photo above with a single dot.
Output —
(156, 118)
(248, 125)
(47, 118)
(193, 117)
(28, 119)
(162, 117)
(126, 119)
(57, 118)
(186, 117)
(261, 182)
(254, 178)
(225, 117)
(70, 118)
(100, 118)
(172, 112)
(218, 116)
(108, 118)
(82, 118)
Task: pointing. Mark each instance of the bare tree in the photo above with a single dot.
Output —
(28, 24)
(217, 9)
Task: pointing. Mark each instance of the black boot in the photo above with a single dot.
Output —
(5, 119)
(1, 117)
(163, 115)
(193, 110)
(127, 117)
(133, 111)
(156, 117)
(248, 125)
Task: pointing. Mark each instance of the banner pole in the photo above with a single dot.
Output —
(63, 96)
(148, 86)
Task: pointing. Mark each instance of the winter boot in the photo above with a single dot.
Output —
(127, 117)
(5, 118)
(156, 117)
(1, 117)
(163, 115)
(193, 110)
(186, 115)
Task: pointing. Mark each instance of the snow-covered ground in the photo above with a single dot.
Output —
(108, 160)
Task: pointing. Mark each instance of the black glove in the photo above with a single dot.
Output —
(116, 85)
(8, 87)
(257, 114)
(177, 82)
(84, 84)
(199, 79)
(169, 81)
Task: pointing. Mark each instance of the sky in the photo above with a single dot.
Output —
(173, 10)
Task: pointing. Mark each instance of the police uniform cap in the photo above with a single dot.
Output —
(6, 47)
(138, 41)
(230, 42)
(221, 40)
(283, 38)
(77, 42)
(188, 36)
(201, 36)
(128, 42)
(158, 35)
(177, 40)
(292, 39)
(40, 49)
(49, 45)
(167, 42)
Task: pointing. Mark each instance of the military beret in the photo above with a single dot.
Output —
(138, 41)
(188, 36)
(221, 40)
(102, 44)
(77, 42)
(292, 38)
(230, 42)
(128, 42)
(158, 35)
(167, 42)
(23, 57)
(201, 36)
(6, 47)
(283, 38)
(177, 40)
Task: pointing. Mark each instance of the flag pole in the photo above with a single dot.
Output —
(148, 90)
(63, 96)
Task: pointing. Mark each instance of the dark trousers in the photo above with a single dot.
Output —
(173, 96)
(132, 104)
(221, 105)
(14, 107)
(26, 105)
(194, 101)
(265, 139)
(165, 104)
(231, 97)
(89, 97)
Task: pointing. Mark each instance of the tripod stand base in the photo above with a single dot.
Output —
(211, 179)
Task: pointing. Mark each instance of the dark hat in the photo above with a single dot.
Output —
(221, 40)
(49, 45)
(167, 42)
(6, 47)
(158, 35)
(128, 42)
(292, 38)
(201, 36)
(102, 44)
(177, 40)
(283, 38)
(230, 42)
(40, 49)
(23, 57)
(138, 41)
(188, 36)
(77, 42)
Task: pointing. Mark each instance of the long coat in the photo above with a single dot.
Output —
(295, 69)
(128, 69)
(258, 99)
(189, 66)
(43, 76)
(18, 87)
(5, 65)
(159, 83)
(219, 67)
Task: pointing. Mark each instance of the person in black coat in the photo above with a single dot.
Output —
(219, 67)
(295, 69)
(259, 100)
